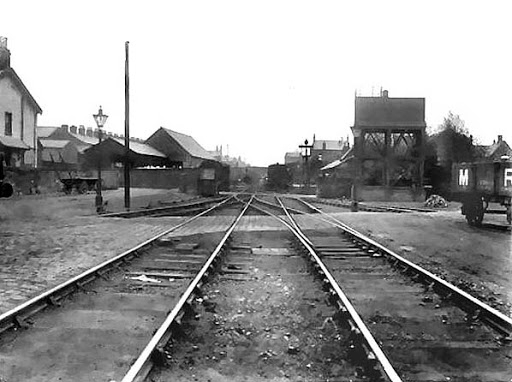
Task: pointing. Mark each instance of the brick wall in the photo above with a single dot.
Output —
(183, 179)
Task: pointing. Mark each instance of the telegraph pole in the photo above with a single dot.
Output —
(126, 130)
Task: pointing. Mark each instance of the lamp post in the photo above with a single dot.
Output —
(100, 119)
(306, 153)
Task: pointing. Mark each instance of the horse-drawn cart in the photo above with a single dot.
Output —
(81, 185)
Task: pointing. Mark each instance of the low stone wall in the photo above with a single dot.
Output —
(391, 194)
(332, 191)
(183, 179)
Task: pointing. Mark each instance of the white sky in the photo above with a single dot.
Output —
(261, 76)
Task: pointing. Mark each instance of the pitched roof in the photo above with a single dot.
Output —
(86, 139)
(45, 131)
(385, 111)
(494, 151)
(82, 141)
(140, 148)
(189, 144)
(13, 142)
(53, 143)
(9, 72)
(329, 145)
(59, 133)
(82, 148)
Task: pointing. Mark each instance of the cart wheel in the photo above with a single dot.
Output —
(6, 190)
(83, 188)
(474, 209)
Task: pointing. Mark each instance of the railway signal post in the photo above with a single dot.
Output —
(306, 153)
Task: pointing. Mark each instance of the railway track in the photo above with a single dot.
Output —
(430, 329)
(245, 304)
(454, 340)
(170, 209)
(95, 334)
(372, 208)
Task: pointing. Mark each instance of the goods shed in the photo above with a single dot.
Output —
(111, 152)
(181, 149)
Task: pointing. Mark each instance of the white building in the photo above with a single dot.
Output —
(18, 115)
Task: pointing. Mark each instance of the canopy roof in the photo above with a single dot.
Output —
(14, 143)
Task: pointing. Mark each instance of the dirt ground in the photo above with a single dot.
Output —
(44, 240)
(477, 260)
(271, 325)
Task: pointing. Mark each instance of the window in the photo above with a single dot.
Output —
(8, 124)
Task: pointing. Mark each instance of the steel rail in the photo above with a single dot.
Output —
(270, 204)
(142, 366)
(369, 207)
(387, 368)
(14, 317)
(166, 208)
(495, 318)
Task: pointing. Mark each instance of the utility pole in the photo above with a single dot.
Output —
(126, 130)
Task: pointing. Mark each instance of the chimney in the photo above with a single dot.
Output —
(110, 134)
(384, 94)
(88, 132)
(73, 129)
(64, 127)
(5, 54)
(81, 130)
(116, 136)
(96, 133)
(500, 138)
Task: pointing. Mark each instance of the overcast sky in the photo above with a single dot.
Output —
(261, 76)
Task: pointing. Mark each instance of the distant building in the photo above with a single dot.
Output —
(58, 153)
(181, 149)
(389, 136)
(18, 115)
(327, 151)
(292, 157)
(81, 136)
(111, 151)
(66, 145)
(495, 151)
(217, 153)
(229, 160)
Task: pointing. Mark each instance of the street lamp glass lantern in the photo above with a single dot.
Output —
(100, 118)
(305, 149)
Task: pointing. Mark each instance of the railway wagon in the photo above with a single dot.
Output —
(213, 177)
(479, 183)
(279, 177)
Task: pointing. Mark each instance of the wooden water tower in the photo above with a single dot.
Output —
(389, 141)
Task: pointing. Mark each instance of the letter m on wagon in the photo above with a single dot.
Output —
(463, 177)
